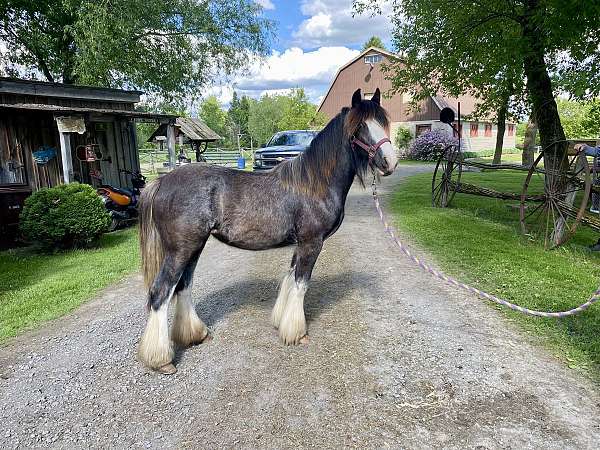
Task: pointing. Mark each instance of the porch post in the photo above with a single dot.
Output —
(171, 144)
(65, 152)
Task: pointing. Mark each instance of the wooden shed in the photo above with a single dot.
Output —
(51, 133)
(190, 131)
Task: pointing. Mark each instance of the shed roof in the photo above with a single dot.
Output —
(47, 89)
(192, 129)
(72, 109)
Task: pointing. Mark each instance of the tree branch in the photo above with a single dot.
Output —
(40, 61)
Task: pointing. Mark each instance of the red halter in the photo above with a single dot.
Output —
(370, 149)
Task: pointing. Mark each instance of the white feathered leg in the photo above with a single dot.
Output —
(282, 298)
(188, 329)
(155, 348)
(292, 327)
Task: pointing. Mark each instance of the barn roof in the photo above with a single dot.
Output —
(468, 103)
(349, 63)
(192, 129)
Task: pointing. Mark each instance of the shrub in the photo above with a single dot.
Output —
(428, 146)
(71, 215)
(402, 138)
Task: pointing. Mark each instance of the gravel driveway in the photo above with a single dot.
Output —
(395, 359)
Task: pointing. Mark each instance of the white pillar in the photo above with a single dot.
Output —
(67, 161)
(171, 144)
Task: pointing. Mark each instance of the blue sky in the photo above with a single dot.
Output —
(313, 39)
(287, 16)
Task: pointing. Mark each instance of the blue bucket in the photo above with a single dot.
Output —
(241, 162)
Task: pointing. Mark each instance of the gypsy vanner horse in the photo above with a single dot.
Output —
(300, 202)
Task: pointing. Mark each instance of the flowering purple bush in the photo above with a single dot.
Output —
(428, 146)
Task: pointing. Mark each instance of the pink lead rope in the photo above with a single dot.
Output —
(571, 312)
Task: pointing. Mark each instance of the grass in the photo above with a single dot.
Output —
(478, 240)
(511, 158)
(35, 287)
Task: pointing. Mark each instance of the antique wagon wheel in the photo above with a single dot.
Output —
(446, 177)
(554, 197)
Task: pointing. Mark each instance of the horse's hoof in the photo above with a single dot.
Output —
(203, 340)
(167, 369)
(296, 340)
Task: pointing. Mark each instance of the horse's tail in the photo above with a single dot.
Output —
(151, 247)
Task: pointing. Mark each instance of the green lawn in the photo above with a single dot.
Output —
(35, 288)
(478, 241)
(507, 158)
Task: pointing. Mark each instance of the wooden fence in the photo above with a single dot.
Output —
(153, 161)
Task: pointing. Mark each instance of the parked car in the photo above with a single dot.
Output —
(283, 145)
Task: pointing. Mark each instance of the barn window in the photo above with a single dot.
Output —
(474, 129)
(368, 95)
(511, 129)
(488, 130)
(422, 129)
(12, 167)
(373, 59)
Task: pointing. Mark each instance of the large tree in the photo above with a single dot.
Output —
(273, 113)
(170, 48)
(238, 115)
(374, 41)
(213, 115)
(492, 48)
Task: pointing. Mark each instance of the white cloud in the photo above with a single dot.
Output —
(266, 4)
(330, 22)
(282, 71)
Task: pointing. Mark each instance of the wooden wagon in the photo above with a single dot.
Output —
(555, 196)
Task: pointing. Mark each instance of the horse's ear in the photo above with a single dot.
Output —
(356, 98)
(376, 97)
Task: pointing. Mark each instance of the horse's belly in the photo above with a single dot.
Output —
(254, 239)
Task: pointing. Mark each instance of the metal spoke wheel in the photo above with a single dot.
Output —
(554, 197)
(446, 177)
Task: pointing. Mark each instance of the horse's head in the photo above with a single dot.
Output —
(368, 128)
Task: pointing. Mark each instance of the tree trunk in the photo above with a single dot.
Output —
(529, 141)
(68, 57)
(539, 87)
(68, 75)
(500, 134)
(539, 84)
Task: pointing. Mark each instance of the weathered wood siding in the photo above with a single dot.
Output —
(22, 133)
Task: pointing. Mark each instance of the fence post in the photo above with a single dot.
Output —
(171, 144)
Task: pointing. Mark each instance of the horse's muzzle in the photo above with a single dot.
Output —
(387, 170)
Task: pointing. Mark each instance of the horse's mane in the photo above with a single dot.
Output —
(310, 173)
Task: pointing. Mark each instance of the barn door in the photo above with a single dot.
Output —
(105, 138)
